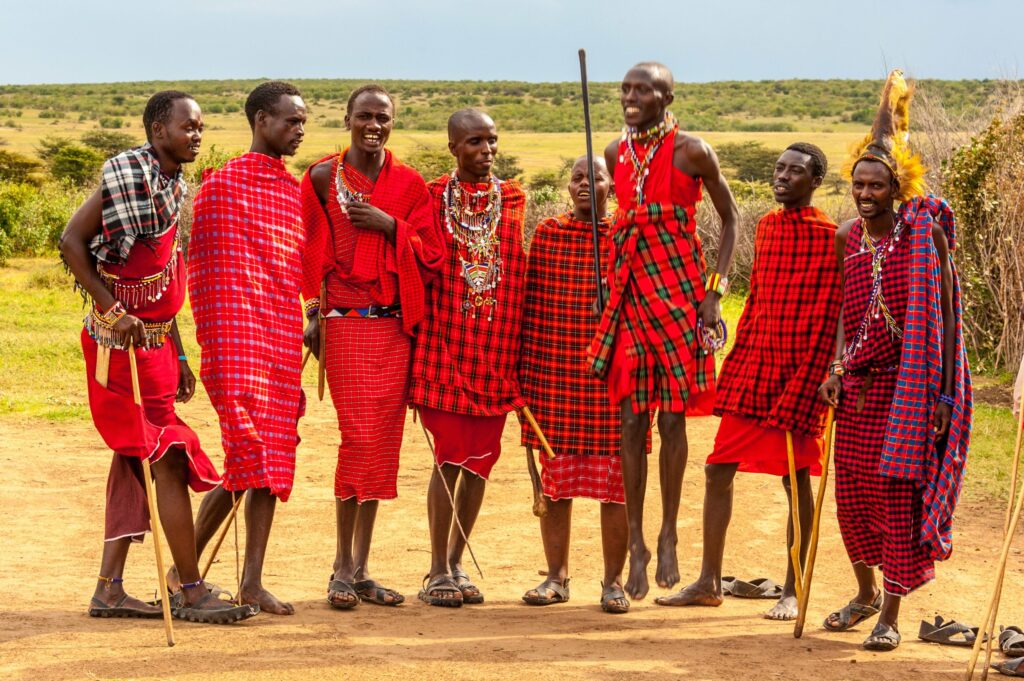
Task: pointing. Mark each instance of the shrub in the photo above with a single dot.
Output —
(32, 218)
(431, 162)
(75, 164)
(748, 161)
(15, 167)
(108, 143)
(507, 167)
(110, 122)
(334, 123)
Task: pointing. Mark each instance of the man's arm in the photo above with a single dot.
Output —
(943, 412)
(830, 390)
(83, 226)
(186, 379)
(611, 157)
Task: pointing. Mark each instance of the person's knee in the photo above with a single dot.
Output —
(718, 478)
(671, 422)
(174, 463)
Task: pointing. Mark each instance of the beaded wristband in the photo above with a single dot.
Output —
(182, 358)
(947, 399)
(312, 308)
(111, 316)
(709, 341)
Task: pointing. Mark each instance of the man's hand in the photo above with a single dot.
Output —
(186, 382)
(365, 216)
(710, 312)
(941, 417)
(131, 328)
(830, 390)
(311, 337)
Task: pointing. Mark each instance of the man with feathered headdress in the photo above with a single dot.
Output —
(900, 381)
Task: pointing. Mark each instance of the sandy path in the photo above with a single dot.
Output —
(52, 497)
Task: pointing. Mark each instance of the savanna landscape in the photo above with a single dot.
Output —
(53, 139)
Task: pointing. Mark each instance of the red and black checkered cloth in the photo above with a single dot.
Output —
(570, 404)
(656, 275)
(245, 272)
(879, 516)
(363, 263)
(786, 334)
(470, 365)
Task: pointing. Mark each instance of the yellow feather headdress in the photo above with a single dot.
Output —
(889, 140)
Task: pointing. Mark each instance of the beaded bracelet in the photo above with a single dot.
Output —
(836, 368)
(947, 399)
(312, 308)
(709, 341)
(717, 283)
(182, 358)
(111, 316)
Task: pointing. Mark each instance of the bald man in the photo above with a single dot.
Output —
(646, 346)
(465, 376)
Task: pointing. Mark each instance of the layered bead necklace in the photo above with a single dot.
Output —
(877, 307)
(475, 232)
(346, 194)
(651, 139)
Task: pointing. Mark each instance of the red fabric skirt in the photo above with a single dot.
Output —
(762, 449)
(637, 376)
(588, 476)
(136, 432)
(470, 442)
(368, 374)
(879, 517)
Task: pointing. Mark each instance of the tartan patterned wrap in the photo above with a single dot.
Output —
(139, 204)
(468, 365)
(786, 334)
(909, 451)
(570, 404)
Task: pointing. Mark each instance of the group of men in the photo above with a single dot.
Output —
(427, 295)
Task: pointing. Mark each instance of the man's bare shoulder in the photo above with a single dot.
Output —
(844, 229)
(692, 147)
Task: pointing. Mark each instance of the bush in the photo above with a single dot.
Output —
(110, 122)
(334, 123)
(32, 218)
(15, 167)
(76, 164)
(507, 167)
(748, 161)
(108, 143)
(431, 162)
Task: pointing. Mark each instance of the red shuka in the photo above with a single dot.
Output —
(245, 271)
(465, 364)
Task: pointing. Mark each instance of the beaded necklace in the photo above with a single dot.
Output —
(346, 194)
(475, 232)
(877, 307)
(653, 137)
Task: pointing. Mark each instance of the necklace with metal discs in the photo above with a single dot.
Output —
(472, 217)
(346, 194)
(877, 307)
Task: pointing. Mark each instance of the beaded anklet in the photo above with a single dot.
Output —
(109, 581)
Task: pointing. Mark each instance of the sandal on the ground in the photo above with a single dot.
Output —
(370, 590)
(442, 584)
(1013, 667)
(846, 614)
(883, 638)
(228, 614)
(762, 587)
(341, 587)
(613, 599)
(98, 608)
(559, 592)
(471, 594)
(950, 633)
(1011, 641)
(726, 584)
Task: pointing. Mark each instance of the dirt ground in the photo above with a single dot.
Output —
(52, 495)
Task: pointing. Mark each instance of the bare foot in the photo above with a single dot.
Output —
(667, 574)
(637, 586)
(784, 610)
(267, 601)
(695, 594)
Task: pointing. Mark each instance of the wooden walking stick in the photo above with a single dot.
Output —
(985, 635)
(223, 533)
(540, 506)
(594, 217)
(794, 497)
(812, 549)
(536, 429)
(321, 371)
(154, 518)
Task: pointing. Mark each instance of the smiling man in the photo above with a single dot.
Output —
(465, 376)
(646, 346)
(783, 346)
(123, 247)
(373, 246)
(245, 272)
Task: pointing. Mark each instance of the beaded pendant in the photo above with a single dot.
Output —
(475, 232)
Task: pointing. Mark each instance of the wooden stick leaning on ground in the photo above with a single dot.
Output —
(812, 549)
(536, 429)
(154, 517)
(1009, 526)
(540, 505)
(223, 533)
(794, 496)
(594, 217)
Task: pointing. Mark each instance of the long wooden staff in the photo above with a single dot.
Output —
(321, 371)
(540, 506)
(536, 429)
(154, 518)
(794, 497)
(223, 533)
(812, 549)
(1009, 527)
(594, 217)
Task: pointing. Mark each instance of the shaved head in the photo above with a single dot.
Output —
(466, 119)
(600, 166)
(659, 74)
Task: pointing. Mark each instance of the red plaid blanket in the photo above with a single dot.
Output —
(245, 271)
(465, 364)
(365, 259)
(786, 334)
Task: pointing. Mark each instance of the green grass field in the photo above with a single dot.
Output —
(536, 151)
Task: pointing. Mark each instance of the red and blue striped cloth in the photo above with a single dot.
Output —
(909, 451)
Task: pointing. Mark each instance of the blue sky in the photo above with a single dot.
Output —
(60, 41)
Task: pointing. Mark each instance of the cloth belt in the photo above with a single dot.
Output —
(372, 312)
